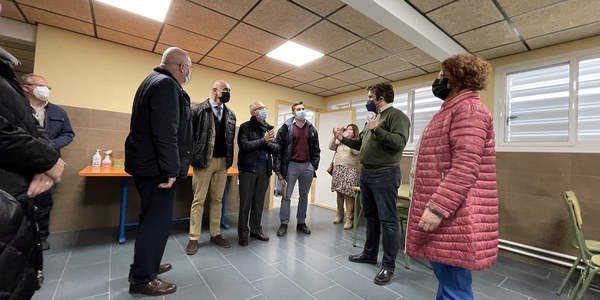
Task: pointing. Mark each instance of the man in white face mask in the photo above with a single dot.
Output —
(56, 123)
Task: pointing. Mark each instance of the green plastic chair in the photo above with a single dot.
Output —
(591, 261)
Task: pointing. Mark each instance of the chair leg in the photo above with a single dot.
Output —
(575, 290)
(586, 283)
(357, 214)
(568, 276)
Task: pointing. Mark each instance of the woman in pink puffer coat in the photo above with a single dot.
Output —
(453, 218)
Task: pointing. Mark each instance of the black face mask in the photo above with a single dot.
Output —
(225, 96)
(440, 89)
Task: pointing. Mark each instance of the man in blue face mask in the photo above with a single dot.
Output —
(297, 160)
(256, 142)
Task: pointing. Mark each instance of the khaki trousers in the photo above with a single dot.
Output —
(212, 179)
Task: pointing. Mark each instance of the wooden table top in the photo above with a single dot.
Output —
(90, 171)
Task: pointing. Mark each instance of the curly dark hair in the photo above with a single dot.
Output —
(466, 72)
(384, 90)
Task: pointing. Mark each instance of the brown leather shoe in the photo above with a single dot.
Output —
(260, 236)
(164, 268)
(191, 248)
(155, 287)
(243, 242)
(220, 241)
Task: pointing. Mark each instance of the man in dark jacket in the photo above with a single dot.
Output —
(256, 142)
(214, 131)
(157, 151)
(58, 129)
(29, 165)
(297, 160)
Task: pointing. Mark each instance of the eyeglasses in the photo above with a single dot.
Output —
(261, 107)
(33, 84)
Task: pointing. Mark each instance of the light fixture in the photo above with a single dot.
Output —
(294, 54)
(155, 9)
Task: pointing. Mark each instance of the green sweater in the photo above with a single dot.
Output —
(384, 147)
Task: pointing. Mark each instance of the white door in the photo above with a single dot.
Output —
(327, 120)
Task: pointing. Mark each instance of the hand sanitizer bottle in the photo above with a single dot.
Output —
(106, 162)
(96, 159)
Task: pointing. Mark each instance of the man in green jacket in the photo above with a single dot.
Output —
(380, 143)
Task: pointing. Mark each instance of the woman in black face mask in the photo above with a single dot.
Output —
(453, 218)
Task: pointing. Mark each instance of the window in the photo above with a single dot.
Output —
(418, 104)
(552, 104)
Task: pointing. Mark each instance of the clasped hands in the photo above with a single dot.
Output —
(44, 181)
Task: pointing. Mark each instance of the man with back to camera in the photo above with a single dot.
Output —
(297, 160)
(157, 151)
(381, 144)
(256, 142)
(214, 131)
(58, 128)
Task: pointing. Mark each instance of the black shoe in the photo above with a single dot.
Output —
(303, 228)
(243, 242)
(45, 245)
(259, 236)
(384, 276)
(362, 258)
(282, 230)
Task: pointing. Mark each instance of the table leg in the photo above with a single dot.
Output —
(123, 210)
(223, 202)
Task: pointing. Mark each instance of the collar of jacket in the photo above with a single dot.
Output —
(165, 72)
(255, 122)
(459, 97)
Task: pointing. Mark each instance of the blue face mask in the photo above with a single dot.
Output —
(371, 106)
(300, 115)
(262, 114)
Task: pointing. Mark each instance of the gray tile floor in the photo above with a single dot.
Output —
(89, 264)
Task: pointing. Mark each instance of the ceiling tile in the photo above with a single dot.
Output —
(515, 8)
(196, 18)
(270, 65)
(387, 65)
(354, 75)
(35, 15)
(390, 41)
(565, 36)
(417, 57)
(328, 83)
(557, 17)
(487, 37)
(255, 73)
(284, 81)
(281, 17)
(458, 17)
(325, 37)
(309, 88)
(327, 93)
(347, 88)
(233, 8)
(123, 38)
(9, 10)
(370, 82)
(78, 9)
(360, 53)
(327, 65)
(502, 50)
(302, 75)
(160, 49)
(432, 68)
(120, 20)
(219, 64)
(356, 22)
(320, 7)
(233, 54)
(186, 40)
(405, 74)
(251, 38)
(428, 5)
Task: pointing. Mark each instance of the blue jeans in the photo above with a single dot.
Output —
(378, 192)
(303, 173)
(454, 282)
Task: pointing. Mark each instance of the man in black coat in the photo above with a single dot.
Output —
(157, 151)
(256, 142)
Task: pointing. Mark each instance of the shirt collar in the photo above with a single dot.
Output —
(214, 104)
(386, 107)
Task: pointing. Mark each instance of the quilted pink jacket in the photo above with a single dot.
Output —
(455, 176)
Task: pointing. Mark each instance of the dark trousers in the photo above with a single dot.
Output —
(153, 229)
(454, 282)
(43, 205)
(253, 187)
(378, 192)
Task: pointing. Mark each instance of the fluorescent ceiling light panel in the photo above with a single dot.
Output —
(294, 54)
(154, 9)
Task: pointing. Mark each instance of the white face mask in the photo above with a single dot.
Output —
(41, 92)
(188, 76)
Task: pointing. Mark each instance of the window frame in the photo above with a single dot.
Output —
(573, 144)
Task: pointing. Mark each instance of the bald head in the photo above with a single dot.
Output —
(220, 91)
(177, 62)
